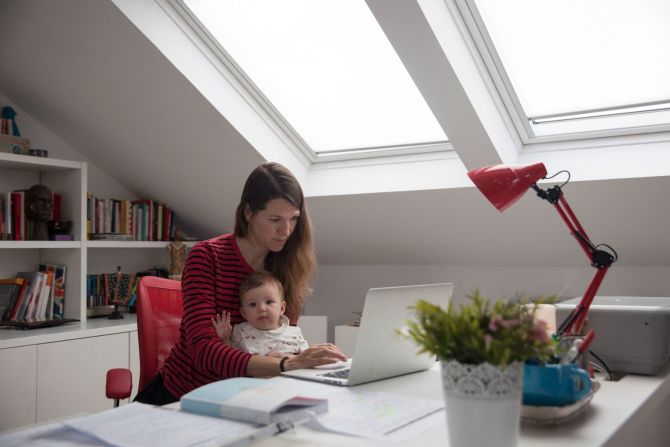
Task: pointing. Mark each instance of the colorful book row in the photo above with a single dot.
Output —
(13, 221)
(142, 220)
(34, 296)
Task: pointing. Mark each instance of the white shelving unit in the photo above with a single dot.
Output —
(77, 354)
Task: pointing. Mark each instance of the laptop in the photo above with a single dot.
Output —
(380, 352)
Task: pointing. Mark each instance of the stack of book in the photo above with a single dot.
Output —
(31, 297)
(137, 220)
(106, 289)
(14, 225)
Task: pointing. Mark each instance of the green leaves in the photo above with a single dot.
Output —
(478, 332)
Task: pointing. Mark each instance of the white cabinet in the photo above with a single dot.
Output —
(56, 372)
(71, 374)
(17, 386)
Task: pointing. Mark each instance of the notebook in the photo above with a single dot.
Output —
(380, 352)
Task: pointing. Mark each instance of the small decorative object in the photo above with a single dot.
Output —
(177, 252)
(59, 230)
(38, 152)
(14, 145)
(38, 211)
(120, 288)
(481, 348)
(10, 137)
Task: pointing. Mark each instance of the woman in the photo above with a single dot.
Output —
(272, 233)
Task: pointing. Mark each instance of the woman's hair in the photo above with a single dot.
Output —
(295, 264)
(259, 279)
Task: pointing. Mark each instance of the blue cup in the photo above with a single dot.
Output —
(554, 385)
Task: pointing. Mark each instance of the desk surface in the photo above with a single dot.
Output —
(632, 411)
(619, 413)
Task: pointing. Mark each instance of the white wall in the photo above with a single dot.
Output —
(99, 181)
(340, 290)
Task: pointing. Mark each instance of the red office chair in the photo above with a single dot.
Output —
(159, 311)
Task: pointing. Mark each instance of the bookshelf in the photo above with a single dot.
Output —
(77, 354)
(69, 179)
(81, 256)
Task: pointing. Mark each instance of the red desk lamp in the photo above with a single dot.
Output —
(503, 185)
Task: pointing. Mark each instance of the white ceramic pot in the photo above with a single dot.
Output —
(483, 403)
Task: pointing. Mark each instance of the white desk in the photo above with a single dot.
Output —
(632, 412)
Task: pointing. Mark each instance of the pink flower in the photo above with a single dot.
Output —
(507, 324)
(495, 321)
(539, 331)
(488, 338)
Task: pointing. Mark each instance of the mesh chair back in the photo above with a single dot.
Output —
(159, 312)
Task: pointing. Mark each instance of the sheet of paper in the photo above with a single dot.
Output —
(53, 434)
(140, 425)
(374, 415)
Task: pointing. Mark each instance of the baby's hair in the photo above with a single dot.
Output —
(259, 279)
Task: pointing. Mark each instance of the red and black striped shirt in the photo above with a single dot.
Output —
(211, 280)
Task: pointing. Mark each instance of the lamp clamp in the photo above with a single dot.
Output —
(602, 259)
(551, 195)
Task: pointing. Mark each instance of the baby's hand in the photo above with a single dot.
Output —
(222, 326)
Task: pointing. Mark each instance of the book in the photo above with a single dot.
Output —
(32, 280)
(247, 399)
(56, 305)
(32, 304)
(11, 316)
(9, 291)
(46, 301)
(110, 237)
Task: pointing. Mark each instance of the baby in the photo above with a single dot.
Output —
(266, 329)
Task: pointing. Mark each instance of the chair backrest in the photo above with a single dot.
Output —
(159, 312)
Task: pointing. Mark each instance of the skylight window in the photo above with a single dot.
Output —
(570, 67)
(325, 71)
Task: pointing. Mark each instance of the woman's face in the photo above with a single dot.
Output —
(271, 228)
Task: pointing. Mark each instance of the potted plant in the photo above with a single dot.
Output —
(482, 346)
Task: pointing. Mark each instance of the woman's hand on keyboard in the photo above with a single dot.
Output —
(315, 355)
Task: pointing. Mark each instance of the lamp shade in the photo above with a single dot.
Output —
(503, 185)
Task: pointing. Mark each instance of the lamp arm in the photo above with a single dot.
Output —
(600, 259)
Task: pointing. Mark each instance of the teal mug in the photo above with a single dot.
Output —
(554, 385)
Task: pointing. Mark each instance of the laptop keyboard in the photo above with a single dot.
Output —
(339, 374)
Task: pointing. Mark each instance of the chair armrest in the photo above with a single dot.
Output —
(119, 383)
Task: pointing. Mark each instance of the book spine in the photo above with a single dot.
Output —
(17, 304)
(56, 200)
(16, 215)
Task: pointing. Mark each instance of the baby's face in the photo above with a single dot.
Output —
(262, 307)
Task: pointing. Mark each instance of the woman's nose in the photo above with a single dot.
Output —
(285, 229)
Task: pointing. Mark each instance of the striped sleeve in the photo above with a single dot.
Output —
(209, 355)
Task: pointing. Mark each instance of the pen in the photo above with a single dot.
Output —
(578, 346)
(572, 353)
(270, 430)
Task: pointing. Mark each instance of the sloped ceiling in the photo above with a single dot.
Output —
(85, 72)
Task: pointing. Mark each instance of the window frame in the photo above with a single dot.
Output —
(227, 66)
(480, 44)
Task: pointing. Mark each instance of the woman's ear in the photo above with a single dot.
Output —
(247, 213)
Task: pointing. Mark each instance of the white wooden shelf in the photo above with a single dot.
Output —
(29, 163)
(93, 327)
(39, 244)
(132, 244)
